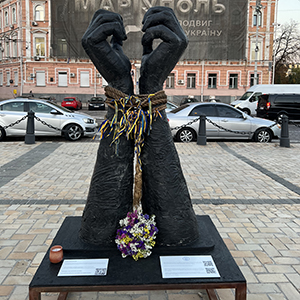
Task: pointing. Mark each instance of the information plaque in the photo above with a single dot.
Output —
(195, 266)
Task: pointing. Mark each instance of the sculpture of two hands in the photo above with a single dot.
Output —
(113, 64)
(164, 190)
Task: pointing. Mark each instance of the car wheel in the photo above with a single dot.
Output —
(247, 111)
(263, 135)
(73, 132)
(2, 134)
(280, 116)
(185, 135)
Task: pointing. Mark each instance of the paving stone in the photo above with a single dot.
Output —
(17, 280)
(289, 291)
(295, 280)
(271, 278)
(280, 269)
(6, 290)
(263, 288)
(20, 268)
(19, 293)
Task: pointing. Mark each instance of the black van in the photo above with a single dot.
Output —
(274, 106)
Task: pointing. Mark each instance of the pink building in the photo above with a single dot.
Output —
(31, 48)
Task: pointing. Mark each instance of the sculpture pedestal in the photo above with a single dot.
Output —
(129, 275)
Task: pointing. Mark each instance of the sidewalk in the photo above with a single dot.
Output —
(251, 191)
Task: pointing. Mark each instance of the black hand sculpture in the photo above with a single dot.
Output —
(165, 192)
(160, 22)
(109, 60)
(110, 194)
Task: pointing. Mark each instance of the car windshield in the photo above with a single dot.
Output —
(96, 99)
(69, 99)
(176, 110)
(60, 107)
(246, 96)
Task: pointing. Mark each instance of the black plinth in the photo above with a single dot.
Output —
(127, 274)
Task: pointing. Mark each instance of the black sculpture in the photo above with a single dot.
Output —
(164, 193)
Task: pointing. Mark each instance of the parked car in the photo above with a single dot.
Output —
(170, 106)
(248, 102)
(239, 124)
(188, 100)
(96, 103)
(275, 106)
(49, 98)
(72, 103)
(71, 125)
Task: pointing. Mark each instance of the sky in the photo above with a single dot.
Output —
(287, 10)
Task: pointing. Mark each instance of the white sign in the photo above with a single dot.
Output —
(84, 267)
(195, 266)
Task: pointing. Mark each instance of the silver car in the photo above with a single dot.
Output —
(170, 106)
(223, 122)
(51, 119)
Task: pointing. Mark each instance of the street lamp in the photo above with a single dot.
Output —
(275, 29)
(258, 17)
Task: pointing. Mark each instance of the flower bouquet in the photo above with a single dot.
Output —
(137, 235)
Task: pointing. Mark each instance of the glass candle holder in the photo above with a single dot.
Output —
(56, 254)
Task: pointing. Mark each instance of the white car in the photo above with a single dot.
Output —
(51, 119)
(223, 122)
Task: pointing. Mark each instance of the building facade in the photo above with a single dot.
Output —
(36, 56)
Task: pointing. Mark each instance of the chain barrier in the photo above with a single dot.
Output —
(38, 119)
(15, 123)
(184, 125)
(44, 123)
(218, 126)
(293, 123)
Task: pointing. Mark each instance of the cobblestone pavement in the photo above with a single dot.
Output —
(251, 192)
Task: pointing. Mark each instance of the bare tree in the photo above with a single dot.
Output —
(286, 48)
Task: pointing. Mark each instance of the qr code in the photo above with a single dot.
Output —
(208, 263)
(100, 271)
(210, 270)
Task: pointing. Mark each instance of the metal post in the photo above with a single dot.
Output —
(30, 137)
(258, 17)
(275, 30)
(284, 137)
(201, 137)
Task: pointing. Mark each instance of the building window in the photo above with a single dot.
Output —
(62, 79)
(62, 47)
(39, 13)
(1, 79)
(0, 19)
(7, 50)
(6, 18)
(255, 49)
(40, 78)
(252, 79)
(212, 81)
(8, 78)
(39, 46)
(16, 76)
(15, 49)
(14, 15)
(233, 81)
(170, 81)
(1, 51)
(191, 80)
(84, 79)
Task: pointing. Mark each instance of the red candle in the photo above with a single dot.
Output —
(56, 254)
